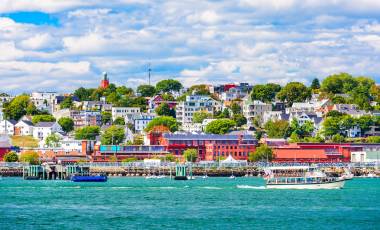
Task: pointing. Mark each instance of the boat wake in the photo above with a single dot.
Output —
(210, 187)
(250, 187)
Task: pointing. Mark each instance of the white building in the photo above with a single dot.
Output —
(254, 109)
(7, 127)
(195, 103)
(124, 111)
(24, 128)
(44, 100)
(141, 120)
(233, 93)
(43, 129)
(272, 116)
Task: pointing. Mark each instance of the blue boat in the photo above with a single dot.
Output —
(89, 178)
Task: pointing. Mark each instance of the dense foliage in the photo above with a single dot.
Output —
(220, 126)
(190, 155)
(66, 123)
(43, 118)
(169, 122)
(199, 116)
(10, 157)
(262, 153)
(87, 133)
(113, 135)
(294, 92)
(265, 93)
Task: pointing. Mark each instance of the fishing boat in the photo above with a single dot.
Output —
(300, 177)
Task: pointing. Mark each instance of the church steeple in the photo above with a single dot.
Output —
(105, 81)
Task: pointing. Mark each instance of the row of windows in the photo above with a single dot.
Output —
(240, 154)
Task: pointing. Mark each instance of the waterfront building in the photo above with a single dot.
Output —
(141, 152)
(195, 103)
(210, 146)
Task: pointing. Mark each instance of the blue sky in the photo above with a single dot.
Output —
(62, 45)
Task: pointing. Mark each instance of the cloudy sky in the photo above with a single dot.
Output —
(63, 44)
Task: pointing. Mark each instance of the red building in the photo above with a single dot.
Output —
(105, 81)
(315, 152)
(5, 146)
(210, 146)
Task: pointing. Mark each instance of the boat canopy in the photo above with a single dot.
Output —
(289, 168)
(230, 160)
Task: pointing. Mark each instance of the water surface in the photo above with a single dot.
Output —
(213, 203)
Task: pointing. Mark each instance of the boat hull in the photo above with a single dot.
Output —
(99, 178)
(329, 185)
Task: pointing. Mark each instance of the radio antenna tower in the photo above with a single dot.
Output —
(149, 70)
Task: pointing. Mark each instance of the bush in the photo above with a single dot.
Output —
(11, 157)
(30, 157)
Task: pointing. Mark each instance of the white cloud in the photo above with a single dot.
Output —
(37, 42)
(195, 41)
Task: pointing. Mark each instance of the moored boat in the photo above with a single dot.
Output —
(302, 177)
(88, 178)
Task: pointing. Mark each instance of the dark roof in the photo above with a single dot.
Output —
(205, 137)
(27, 122)
(12, 121)
(44, 124)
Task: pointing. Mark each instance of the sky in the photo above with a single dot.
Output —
(61, 45)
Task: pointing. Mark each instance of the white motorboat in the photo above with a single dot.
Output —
(301, 177)
(232, 177)
(204, 177)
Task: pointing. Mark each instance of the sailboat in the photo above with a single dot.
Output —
(232, 175)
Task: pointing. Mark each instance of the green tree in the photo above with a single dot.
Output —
(337, 138)
(106, 118)
(42, 118)
(277, 129)
(373, 139)
(16, 108)
(164, 110)
(334, 113)
(119, 121)
(83, 94)
(315, 84)
(113, 135)
(168, 85)
(53, 140)
(265, 93)
(331, 126)
(146, 90)
(338, 100)
(87, 133)
(236, 108)
(113, 98)
(199, 116)
(169, 122)
(220, 126)
(67, 103)
(170, 158)
(239, 119)
(67, 124)
(199, 90)
(10, 157)
(294, 138)
(190, 155)
(365, 122)
(262, 153)
(124, 91)
(338, 83)
(294, 92)
(31, 109)
(129, 159)
(30, 157)
(224, 114)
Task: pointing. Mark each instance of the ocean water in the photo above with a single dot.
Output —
(213, 203)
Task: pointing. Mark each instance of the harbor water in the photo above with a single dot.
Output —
(212, 203)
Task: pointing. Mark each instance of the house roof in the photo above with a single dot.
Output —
(44, 124)
(26, 122)
(205, 137)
